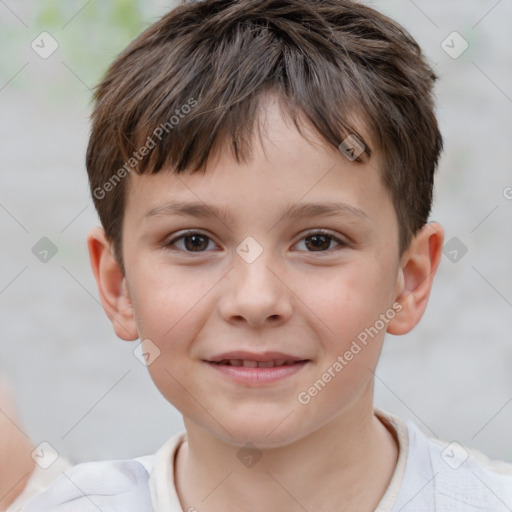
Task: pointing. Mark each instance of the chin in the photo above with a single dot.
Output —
(263, 431)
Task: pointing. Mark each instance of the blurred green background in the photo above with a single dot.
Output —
(90, 34)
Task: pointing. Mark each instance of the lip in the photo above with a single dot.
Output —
(256, 376)
(253, 356)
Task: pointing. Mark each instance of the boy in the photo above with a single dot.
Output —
(265, 339)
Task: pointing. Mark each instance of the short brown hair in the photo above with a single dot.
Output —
(327, 60)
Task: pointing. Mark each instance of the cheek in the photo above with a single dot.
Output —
(165, 301)
(169, 310)
(349, 301)
(350, 331)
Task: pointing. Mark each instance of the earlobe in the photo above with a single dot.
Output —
(112, 287)
(416, 274)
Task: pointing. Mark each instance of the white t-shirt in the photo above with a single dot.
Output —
(430, 475)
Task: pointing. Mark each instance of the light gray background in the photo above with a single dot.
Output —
(82, 390)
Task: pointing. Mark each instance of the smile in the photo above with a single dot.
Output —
(256, 373)
(246, 363)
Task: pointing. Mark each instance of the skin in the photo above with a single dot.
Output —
(16, 465)
(332, 453)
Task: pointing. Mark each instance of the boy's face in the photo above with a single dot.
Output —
(306, 297)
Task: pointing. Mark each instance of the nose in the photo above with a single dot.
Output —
(256, 293)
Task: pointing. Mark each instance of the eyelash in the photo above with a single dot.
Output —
(309, 234)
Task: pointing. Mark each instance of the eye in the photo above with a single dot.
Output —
(320, 241)
(193, 241)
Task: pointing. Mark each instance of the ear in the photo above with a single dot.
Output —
(114, 294)
(416, 275)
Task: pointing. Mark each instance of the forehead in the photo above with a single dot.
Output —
(287, 169)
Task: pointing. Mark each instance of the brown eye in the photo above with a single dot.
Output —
(318, 241)
(321, 242)
(192, 242)
(196, 242)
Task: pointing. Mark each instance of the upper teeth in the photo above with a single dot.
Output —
(253, 364)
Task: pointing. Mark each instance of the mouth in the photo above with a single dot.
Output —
(249, 359)
(252, 369)
(248, 363)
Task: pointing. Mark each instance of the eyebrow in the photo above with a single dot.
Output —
(293, 211)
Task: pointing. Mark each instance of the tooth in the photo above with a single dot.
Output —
(235, 362)
(250, 364)
(266, 364)
(279, 362)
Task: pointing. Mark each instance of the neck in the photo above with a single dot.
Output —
(345, 465)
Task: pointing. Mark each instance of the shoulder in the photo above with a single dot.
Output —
(461, 478)
(93, 486)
